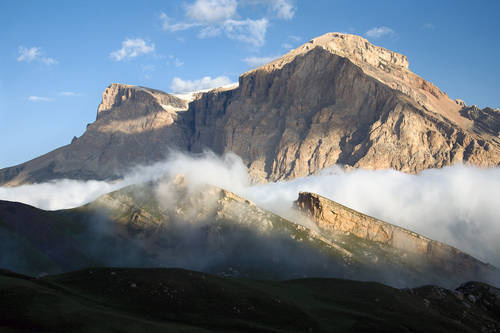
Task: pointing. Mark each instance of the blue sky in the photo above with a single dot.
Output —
(58, 56)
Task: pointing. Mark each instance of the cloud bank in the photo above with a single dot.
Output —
(183, 86)
(457, 205)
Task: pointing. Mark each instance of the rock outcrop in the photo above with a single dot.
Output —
(333, 217)
(335, 100)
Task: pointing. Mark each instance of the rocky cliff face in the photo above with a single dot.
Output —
(333, 217)
(335, 100)
(339, 100)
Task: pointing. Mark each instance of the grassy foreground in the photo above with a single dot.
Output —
(175, 300)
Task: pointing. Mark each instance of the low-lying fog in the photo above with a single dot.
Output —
(458, 205)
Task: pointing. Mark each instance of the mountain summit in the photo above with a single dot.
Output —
(335, 100)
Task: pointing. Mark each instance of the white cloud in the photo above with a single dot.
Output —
(28, 55)
(39, 99)
(132, 48)
(248, 31)
(427, 26)
(69, 94)
(34, 54)
(168, 25)
(284, 9)
(178, 62)
(173, 60)
(287, 46)
(182, 86)
(211, 11)
(210, 31)
(49, 61)
(378, 32)
(258, 61)
(216, 17)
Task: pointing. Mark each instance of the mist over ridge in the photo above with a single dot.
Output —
(457, 205)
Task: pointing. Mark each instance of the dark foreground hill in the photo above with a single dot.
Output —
(174, 300)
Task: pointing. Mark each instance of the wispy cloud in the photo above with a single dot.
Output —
(132, 48)
(70, 94)
(284, 9)
(248, 31)
(378, 32)
(28, 55)
(173, 60)
(291, 41)
(220, 17)
(40, 99)
(182, 86)
(169, 25)
(178, 62)
(34, 54)
(427, 26)
(258, 61)
(281, 9)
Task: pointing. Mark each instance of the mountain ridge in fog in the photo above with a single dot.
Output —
(172, 223)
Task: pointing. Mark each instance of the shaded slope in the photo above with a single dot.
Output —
(157, 300)
(134, 126)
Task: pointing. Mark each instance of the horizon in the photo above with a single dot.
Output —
(60, 57)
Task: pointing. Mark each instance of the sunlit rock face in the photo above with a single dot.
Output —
(339, 100)
(445, 260)
(335, 100)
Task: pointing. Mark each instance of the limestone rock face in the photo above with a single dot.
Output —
(311, 110)
(335, 100)
(334, 217)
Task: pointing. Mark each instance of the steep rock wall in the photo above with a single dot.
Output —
(332, 216)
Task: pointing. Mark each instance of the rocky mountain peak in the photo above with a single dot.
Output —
(117, 94)
(387, 67)
(357, 49)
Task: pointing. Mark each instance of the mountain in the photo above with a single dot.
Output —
(205, 228)
(164, 300)
(335, 100)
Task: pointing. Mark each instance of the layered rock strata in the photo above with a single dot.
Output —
(333, 217)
